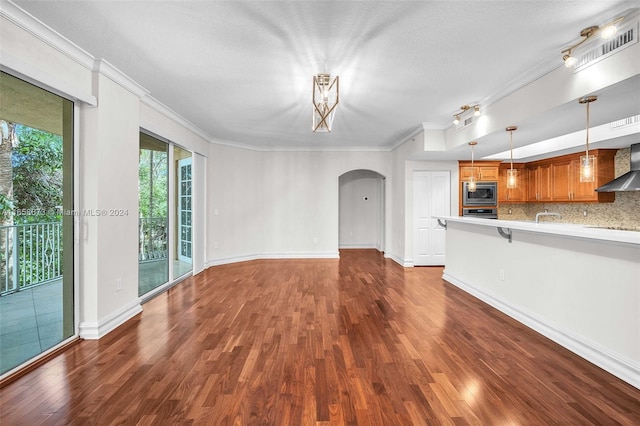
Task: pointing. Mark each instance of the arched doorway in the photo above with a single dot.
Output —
(361, 210)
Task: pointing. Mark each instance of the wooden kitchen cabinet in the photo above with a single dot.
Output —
(539, 183)
(562, 180)
(605, 172)
(558, 179)
(519, 194)
(484, 171)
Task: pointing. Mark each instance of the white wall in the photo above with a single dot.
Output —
(109, 244)
(277, 204)
(359, 220)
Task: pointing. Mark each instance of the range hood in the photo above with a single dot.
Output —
(629, 181)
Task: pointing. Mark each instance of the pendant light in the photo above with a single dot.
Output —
(512, 175)
(471, 185)
(587, 162)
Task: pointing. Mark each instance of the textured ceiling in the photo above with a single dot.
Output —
(242, 71)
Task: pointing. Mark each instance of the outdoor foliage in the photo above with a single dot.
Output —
(37, 175)
(36, 169)
(152, 183)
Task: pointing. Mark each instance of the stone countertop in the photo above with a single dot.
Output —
(554, 228)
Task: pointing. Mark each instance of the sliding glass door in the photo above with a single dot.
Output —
(36, 221)
(153, 220)
(165, 225)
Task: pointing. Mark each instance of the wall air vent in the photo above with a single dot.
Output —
(626, 36)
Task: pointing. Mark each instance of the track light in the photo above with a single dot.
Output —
(464, 110)
(607, 31)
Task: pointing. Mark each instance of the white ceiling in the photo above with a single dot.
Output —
(242, 71)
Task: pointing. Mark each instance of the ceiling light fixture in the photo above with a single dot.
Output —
(607, 31)
(587, 162)
(512, 174)
(326, 95)
(464, 110)
(471, 186)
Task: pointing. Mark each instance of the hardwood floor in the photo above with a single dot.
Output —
(317, 342)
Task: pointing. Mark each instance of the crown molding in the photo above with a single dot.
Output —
(409, 135)
(433, 126)
(43, 32)
(108, 70)
(256, 148)
(158, 106)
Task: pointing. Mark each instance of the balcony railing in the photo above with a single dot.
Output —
(31, 254)
(152, 238)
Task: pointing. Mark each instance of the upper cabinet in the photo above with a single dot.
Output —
(519, 194)
(557, 180)
(484, 171)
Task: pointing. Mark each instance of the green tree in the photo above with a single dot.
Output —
(37, 173)
(152, 183)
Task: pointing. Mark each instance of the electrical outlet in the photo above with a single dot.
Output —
(118, 284)
(584, 213)
(315, 240)
(501, 274)
(215, 244)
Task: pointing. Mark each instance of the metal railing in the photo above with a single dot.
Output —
(30, 254)
(152, 239)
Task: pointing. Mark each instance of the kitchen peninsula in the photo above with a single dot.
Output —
(577, 285)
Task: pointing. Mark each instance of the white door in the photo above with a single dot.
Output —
(431, 197)
(184, 210)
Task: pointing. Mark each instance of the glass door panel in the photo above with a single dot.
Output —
(36, 221)
(153, 226)
(182, 262)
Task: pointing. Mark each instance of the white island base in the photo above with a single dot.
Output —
(578, 286)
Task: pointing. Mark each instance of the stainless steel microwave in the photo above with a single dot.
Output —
(486, 194)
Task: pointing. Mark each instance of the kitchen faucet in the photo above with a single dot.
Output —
(558, 215)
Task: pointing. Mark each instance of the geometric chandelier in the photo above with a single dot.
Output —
(326, 95)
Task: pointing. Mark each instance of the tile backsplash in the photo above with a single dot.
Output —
(623, 212)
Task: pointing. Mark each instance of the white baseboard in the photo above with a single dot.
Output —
(92, 330)
(359, 246)
(259, 256)
(398, 260)
(619, 366)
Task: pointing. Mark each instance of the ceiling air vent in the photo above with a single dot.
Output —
(625, 122)
(465, 121)
(626, 36)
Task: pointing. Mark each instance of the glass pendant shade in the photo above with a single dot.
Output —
(587, 168)
(471, 185)
(512, 178)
